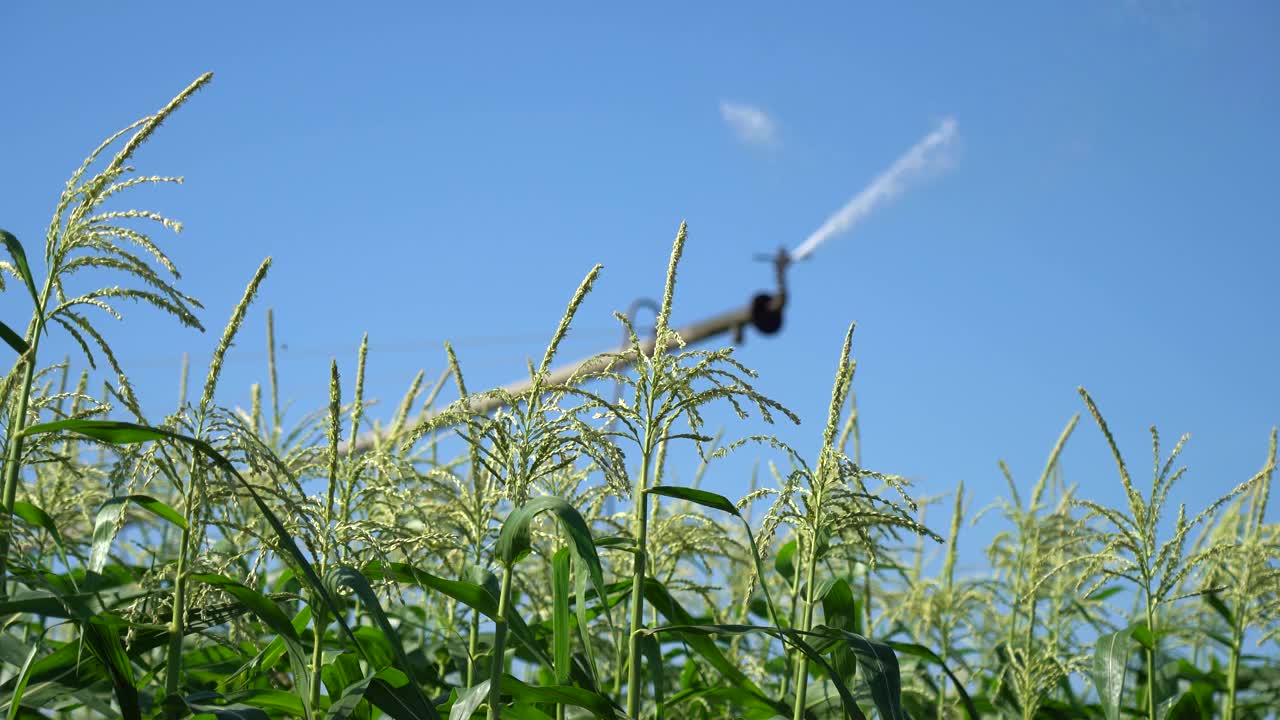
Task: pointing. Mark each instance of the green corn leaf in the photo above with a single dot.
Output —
(652, 651)
(20, 262)
(63, 673)
(599, 705)
(70, 671)
(209, 703)
(274, 650)
(23, 677)
(1214, 601)
(284, 703)
(614, 542)
(116, 432)
(1110, 664)
(119, 432)
(722, 503)
(659, 598)
(351, 578)
(560, 565)
(102, 637)
(49, 604)
(880, 670)
(924, 653)
(514, 539)
(879, 667)
(468, 700)
(751, 704)
(696, 496)
(390, 692)
(1185, 707)
(275, 619)
(469, 594)
(793, 638)
(524, 711)
(13, 339)
(348, 701)
(784, 561)
(33, 515)
(108, 521)
(580, 610)
(485, 578)
(1139, 632)
(840, 609)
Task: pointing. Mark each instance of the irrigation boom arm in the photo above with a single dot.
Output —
(763, 312)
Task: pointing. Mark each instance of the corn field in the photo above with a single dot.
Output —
(216, 562)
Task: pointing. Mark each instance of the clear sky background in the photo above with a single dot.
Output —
(1106, 215)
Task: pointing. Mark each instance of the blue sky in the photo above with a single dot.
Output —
(1105, 215)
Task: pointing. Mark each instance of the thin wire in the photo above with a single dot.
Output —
(132, 360)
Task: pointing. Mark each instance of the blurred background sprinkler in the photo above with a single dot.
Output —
(764, 311)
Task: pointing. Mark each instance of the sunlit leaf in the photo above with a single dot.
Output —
(1110, 664)
(20, 262)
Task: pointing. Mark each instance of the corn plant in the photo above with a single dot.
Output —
(1246, 594)
(1131, 551)
(1033, 604)
(84, 236)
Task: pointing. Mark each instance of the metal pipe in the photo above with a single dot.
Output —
(764, 313)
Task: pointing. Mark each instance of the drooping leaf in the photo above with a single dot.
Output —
(584, 630)
(1214, 601)
(274, 618)
(345, 680)
(48, 604)
(469, 594)
(695, 495)
(659, 598)
(840, 610)
(524, 711)
(350, 577)
(20, 262)
(1140, 633)
(39, 518)
(752, 705)
(514, 540)
(108, 520)
(286, 703)
(274, 650)
(723, 504)
(880, 672)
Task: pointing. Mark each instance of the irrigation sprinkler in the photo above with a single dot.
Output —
(764, 311)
